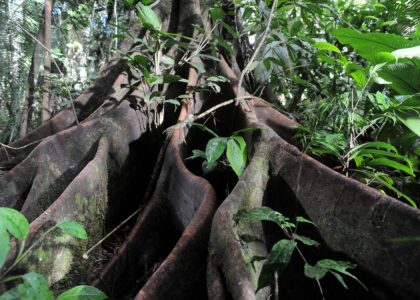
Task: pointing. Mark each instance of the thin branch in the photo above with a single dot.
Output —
(248, 66)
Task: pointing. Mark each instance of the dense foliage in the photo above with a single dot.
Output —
(347, 71)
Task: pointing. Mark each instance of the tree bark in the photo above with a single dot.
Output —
(46, 97)
(32, 79)
(185, 242)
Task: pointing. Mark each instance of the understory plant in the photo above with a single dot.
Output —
(223, 151)
(373, 126)
(282, 251)
(34, 285)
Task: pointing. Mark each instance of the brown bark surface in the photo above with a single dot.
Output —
(185, 243)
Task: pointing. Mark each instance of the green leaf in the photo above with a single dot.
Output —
(359, 77)
(129, 3)
(147, 2)
(83, 292)
(217, 79)
(411, 120)
(5, 246)
(197, 154)
(340, 267)
(262, 213)
(314, 272)
(215, 148)
(305, 240)
(14, 222)
(300, 219)
(170, 78)
(391, 163)
(140, 60)
(370, 44)
(407, 52)
(216, 13)
(277, 260)
(208, 167)
(379, 145)
(199, 67)
(72, 228)
(404, 78)
(168, 60)
(252, 65)
(340, 279)
(236, 154)
(147, 17)
(326, 46)
(34, 287)
(173, 101)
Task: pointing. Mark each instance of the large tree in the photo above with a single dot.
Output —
(115, 153)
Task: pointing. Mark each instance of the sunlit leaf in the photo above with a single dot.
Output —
(215, 148)
(147, 17)
(15, 222)
(83, 292)
(236, 154)
(327, 46)
(72, 228)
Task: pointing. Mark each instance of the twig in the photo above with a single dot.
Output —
(254, 55)
(86, 256)
(22, 147)
(191, 118)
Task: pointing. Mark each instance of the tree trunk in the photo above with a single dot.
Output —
(46, 97)
(32, 80)
(185, 242)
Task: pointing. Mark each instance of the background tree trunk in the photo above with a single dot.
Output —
(46, 97)
(32, 79)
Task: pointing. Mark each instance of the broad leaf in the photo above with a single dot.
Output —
(5, 246)
(72, 228)
(411, 120)
(305, 240)
(215, 148)
(34, 287)
(407, 52)
(14, 222)
(277, 260)
(253, 65)
(327, 46)
(369, 45)
(168, 60)
(314, 272)
(198, 66)
(300, 219)
(197, 154)
(236, 154)
(147, 17)
(359, 77)
(391, 163)
(262, 213)
(83, 292)
(170, 78)
(340, 267)
(404, 78)
(140, 60)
